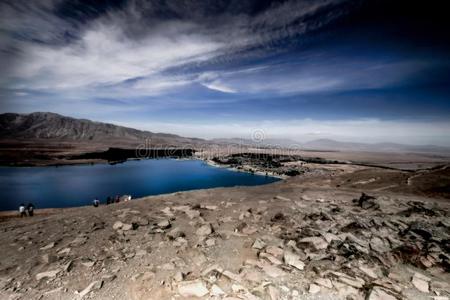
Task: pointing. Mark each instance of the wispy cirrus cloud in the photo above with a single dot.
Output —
(137, 39)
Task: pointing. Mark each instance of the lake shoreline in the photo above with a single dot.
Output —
(246, 169)
(150, 177)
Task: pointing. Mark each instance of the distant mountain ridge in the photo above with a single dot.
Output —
(52, 127)
(328, 144)
(332, 145)
(55, 127)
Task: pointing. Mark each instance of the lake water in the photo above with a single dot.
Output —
(67, 186)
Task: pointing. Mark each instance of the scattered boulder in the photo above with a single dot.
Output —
(317, 243)
(259, 244)
(378, 293)
(67, 267)
(273, 271)
(192, 214)
(127, 227)
(179, 276)
(313, 288)
(216, 290)
(164, 224)
(117, 225)
(96, 285)
(420, 282)
(293, 259)
(194, 288)
(367, 202)
(48, 246)
(325, 282)
(379, 245)
(78, 241)
(175, 233)
(47, 274)
(368, 271)
(204, 230)
(274, 293)
(108, 277)
(48, 258)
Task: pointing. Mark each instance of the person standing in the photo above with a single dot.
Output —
(22, 210)
(96, 202)
(30, 209)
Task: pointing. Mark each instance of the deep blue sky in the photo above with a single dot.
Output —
(350, 70)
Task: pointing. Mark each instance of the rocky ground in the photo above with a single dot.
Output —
(306, 237)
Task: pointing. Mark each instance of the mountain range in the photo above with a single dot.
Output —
(45, 126)
(51, 127)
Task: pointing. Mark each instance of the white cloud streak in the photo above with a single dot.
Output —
(124, 45)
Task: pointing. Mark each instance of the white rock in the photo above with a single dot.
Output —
(48, 258)
(232, 276)
(369, 272)
(48, 274)
(126, 227)
(210, 207)
(117, 225)
(64, 251)
(96, 285)
(216, 290)
(168, 212)
(270, 258)
(419, 283)
(141, 252)
(210, 242)
(194, 288)
(313, 288)
(49, 246)
(88, 264)
(273, 271)
(204, 230)
(164, 224)
(252, 275)
(168, 266)
(175, 233)
(238, 288)
(318, 243)
(67, 266)
(325, 282)
(192, 213)
(275, 251)
(379, 245)
(179, 276)
(293, 259)
(354, 282)
(78, 241)
(378, 293)
(258, 244)
(274, 293)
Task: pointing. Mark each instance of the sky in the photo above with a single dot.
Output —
(363, 71)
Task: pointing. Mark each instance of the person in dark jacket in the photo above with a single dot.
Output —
(30, 209)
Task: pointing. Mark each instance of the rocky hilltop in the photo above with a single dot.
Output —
(346, 232)
(44, 138)
(55, 127)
